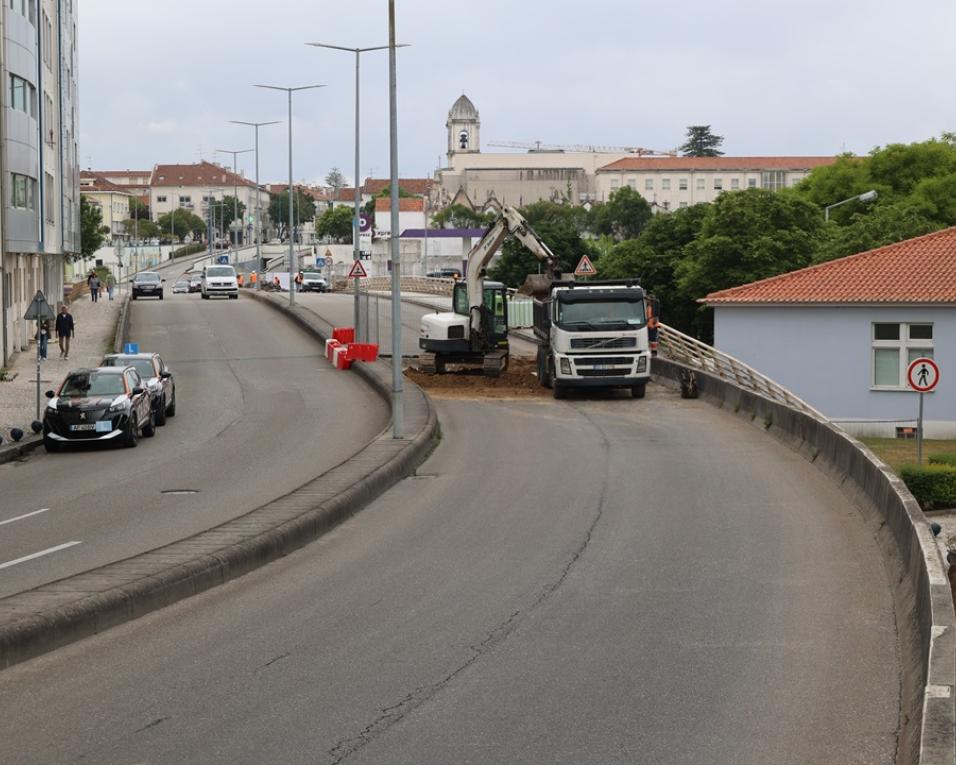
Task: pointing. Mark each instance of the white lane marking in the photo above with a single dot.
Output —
(49, 550)
(25, 515)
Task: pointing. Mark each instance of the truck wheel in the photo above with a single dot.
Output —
(559, 391)
(637, 391)
(544, 371)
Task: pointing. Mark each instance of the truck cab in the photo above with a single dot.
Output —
(593, 335)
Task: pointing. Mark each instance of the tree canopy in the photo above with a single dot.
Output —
(623, 216)
(335, 179)
(336, 223)
(92, 234)
(701, 142)
(183, 223)
(303, 211)
(459, 216)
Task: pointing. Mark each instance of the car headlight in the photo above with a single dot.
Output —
(118, 404)
(565, 366)
(642, 364)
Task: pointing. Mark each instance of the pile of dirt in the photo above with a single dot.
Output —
(517, 381)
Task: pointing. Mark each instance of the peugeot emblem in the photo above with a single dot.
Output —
(82, 415)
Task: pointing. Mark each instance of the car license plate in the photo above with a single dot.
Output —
(104, 426)
(87, 426)
(604, 366)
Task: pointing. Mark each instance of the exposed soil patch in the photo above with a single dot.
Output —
(518, 381)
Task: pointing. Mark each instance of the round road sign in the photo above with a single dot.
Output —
(922, 375)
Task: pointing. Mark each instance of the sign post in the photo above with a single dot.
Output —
(38, 311)
(923, 377)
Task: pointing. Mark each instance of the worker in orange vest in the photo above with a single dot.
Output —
(653, 323)
(239, 278)
(253, 278)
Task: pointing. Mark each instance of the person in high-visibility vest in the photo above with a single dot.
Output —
(239, 278)
(253, 278)
(653, 324)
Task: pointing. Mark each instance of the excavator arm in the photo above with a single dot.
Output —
(510, 223)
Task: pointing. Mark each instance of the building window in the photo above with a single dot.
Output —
(648, 184)
(632, 182)
(734, 184)
(665, 184)
(615, 184)
(895, 345)
(700, 184)
(682, 184)
(160, 200)
(23, 96)
(751, 183)
(718, 184)
(773, 180)
(48, 196)
(683, 204)
(23, 192)
(185, 200)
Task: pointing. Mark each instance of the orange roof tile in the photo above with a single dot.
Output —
(205, 174)
(716, 163)
(914, 271)
(419, 186)
(90, 181)
(405, 204)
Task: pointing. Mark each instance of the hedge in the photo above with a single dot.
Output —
(934, 485)
(190, 249)
(943, 459)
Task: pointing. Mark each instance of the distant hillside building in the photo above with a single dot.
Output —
(576, 176)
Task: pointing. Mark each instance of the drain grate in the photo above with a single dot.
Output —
(179, 491)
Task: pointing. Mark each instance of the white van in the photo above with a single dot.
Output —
(219, 280)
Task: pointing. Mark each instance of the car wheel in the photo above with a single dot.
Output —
(171, 409)
(134, 296)
(160, 295)
(149, 429)
(233, 297)
(161, 412)
(132, 431)
(50, 445)
(205, 296)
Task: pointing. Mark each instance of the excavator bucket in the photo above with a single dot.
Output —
(537, 286)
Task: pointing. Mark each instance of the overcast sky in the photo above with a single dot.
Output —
(159, 80)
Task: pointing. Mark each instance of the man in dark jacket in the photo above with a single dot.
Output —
(64, 331)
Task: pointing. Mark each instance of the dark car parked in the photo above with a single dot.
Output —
(147, 284)
(195, 283)
(98, 405)
(158, 380)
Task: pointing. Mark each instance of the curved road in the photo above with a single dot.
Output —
(259, 412)
(599, 580)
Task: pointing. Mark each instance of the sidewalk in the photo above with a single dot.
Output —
(95, 328)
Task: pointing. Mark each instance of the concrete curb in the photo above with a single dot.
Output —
(59, 613)
(122, 326)
(924, 600)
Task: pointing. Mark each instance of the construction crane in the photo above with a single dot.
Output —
(536, 146)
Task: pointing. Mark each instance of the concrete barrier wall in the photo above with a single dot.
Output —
(924, 600)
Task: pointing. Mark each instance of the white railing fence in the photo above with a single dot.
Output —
(683, 349)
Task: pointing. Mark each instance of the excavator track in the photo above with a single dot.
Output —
(428, 363)
(494, 364)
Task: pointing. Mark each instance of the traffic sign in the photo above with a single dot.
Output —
(131, 348)
(320, 262)
(39, 309)
(922, 375)
(358, 270)
(585, 267)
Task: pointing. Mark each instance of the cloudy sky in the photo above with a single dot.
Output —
(160, 80)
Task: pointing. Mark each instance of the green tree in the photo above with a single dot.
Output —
(560, 226)
(183, 223)
(623, 216)
(701, 142)
(459, 216)
(138, 209)
(92, 231)
(303, 210)
(229, 204)
(335, 179)
(143, 228)
(336, 223)
(884, 225)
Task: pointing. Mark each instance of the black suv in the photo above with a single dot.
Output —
(148, 284)
(103, 404)
(157, 379)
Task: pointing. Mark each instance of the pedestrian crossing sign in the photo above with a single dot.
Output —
(585, 267)
(358, 270)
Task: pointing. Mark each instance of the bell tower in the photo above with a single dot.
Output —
(463, 127)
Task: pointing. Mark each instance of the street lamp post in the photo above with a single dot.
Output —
(292, 269)
(360, 328)
(235, 190)
(866, 196)
(258, 232)
(398, 409)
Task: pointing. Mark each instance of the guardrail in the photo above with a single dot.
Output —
(686, 350)
(421, 284)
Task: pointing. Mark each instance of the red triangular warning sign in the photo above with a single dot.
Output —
(358, 270)
(585, 267)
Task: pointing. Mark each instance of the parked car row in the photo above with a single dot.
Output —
(129, 395)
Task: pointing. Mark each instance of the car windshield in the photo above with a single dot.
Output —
(182, 284)
(143, 366)
(93, 384)
(147, 277)
(220, 271)
(311, 275)
(601, 314)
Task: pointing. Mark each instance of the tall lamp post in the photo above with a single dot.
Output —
(235, 190)
(292, 264)
(398, 410)
(866, 196)
(361, 329)
(258, 232)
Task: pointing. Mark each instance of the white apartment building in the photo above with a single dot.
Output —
(112, 200)
(40, 210)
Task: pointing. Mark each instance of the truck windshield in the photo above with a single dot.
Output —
(601, 315)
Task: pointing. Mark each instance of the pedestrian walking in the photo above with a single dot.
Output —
(95, 287)
(64, 331)
(110, 285)
(43, 336)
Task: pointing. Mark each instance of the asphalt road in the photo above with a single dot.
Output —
(259, 412)
(593, 581)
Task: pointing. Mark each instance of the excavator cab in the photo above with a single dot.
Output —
(494, 311)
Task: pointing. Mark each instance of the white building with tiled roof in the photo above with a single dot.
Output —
(841, 334)
(112, 200)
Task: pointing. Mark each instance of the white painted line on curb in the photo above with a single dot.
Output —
(25, 515)
(49, 550)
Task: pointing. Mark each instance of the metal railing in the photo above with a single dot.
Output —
(421, 284)
(683, 349)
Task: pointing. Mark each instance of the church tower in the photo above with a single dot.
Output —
(463, 126)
